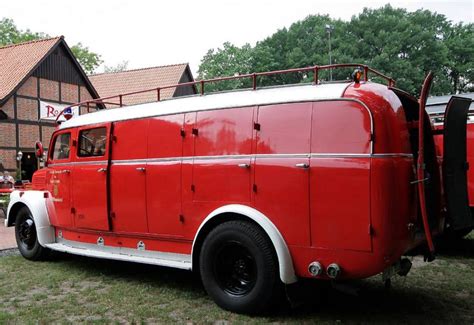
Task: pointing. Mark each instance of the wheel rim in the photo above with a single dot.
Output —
(235, 269)
(27, 233)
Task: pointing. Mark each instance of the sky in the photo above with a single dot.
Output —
(152, 33)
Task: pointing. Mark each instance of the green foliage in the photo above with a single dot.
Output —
(227, 61)
(122, 66)
(88, 60)
(460, 66)
(10, 34)
(404, 45)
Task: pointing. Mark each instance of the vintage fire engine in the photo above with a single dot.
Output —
(253, 188)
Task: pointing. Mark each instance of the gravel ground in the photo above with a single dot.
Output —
(9, 252)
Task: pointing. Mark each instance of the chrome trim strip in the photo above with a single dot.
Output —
(221, 157)
(382, 155)
(342, 155)
(289, 155)
(73, 163)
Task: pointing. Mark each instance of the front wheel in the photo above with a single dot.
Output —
(239, 268)
(26, 236)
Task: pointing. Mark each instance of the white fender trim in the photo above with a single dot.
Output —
(36, 203)
(287, 271)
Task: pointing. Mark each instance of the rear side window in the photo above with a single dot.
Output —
(62, 146)
(92, 142)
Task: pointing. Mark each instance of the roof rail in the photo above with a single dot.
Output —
(252, 76)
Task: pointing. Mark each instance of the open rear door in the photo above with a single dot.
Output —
(455, 164)
(422, 175)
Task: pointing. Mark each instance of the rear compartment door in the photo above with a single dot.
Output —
(455, 163)
(424, 174)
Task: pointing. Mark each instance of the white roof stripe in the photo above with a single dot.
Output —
(212, 101)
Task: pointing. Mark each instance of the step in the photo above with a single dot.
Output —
(180, 261)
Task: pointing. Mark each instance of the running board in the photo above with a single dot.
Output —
(180, 261)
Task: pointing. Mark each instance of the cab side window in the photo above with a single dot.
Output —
(62, 146)
(92, 142)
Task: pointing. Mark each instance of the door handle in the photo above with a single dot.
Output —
(141, 169)
(243, 165)
(65, 171)
(302, 165)
(101, 170)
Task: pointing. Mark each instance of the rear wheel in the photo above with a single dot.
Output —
(26, 236)
(239, 268)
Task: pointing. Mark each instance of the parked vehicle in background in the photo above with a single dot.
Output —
(255, 188)
(6, 187)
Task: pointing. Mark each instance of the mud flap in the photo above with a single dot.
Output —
(455, 163)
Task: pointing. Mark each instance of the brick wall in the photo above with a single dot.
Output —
(85, 94)
(8, 135)
(69, 93)
(27, 115)
(29, 88)
(28, 109)
(8, 159)
(29, 134)
(47, 132)
(8, 108)
(49, 89)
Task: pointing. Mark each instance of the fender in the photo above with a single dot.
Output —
(287, 271)
(36, 203)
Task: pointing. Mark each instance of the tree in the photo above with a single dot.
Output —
(122, 66)
(10, 34)
(227, 61)
(404, 45)
(88, 60)
(460, 66)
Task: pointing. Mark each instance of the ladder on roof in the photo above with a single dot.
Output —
(362, 69)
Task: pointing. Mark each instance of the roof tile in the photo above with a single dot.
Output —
(18, 60)
(115, 83)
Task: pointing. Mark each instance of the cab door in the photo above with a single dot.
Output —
(91, 172)
(128, 172)
(59, 179)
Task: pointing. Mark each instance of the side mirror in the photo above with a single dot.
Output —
(39, 150)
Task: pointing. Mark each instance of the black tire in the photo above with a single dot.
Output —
(239, 268)
(26, 237)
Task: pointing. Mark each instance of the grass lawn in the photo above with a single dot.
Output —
(76, 289)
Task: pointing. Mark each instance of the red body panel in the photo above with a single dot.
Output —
(163, 178)
(438, 138)
(128, 177)
(470, 159)
(312, 168)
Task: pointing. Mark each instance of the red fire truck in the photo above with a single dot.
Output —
(254, 188)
